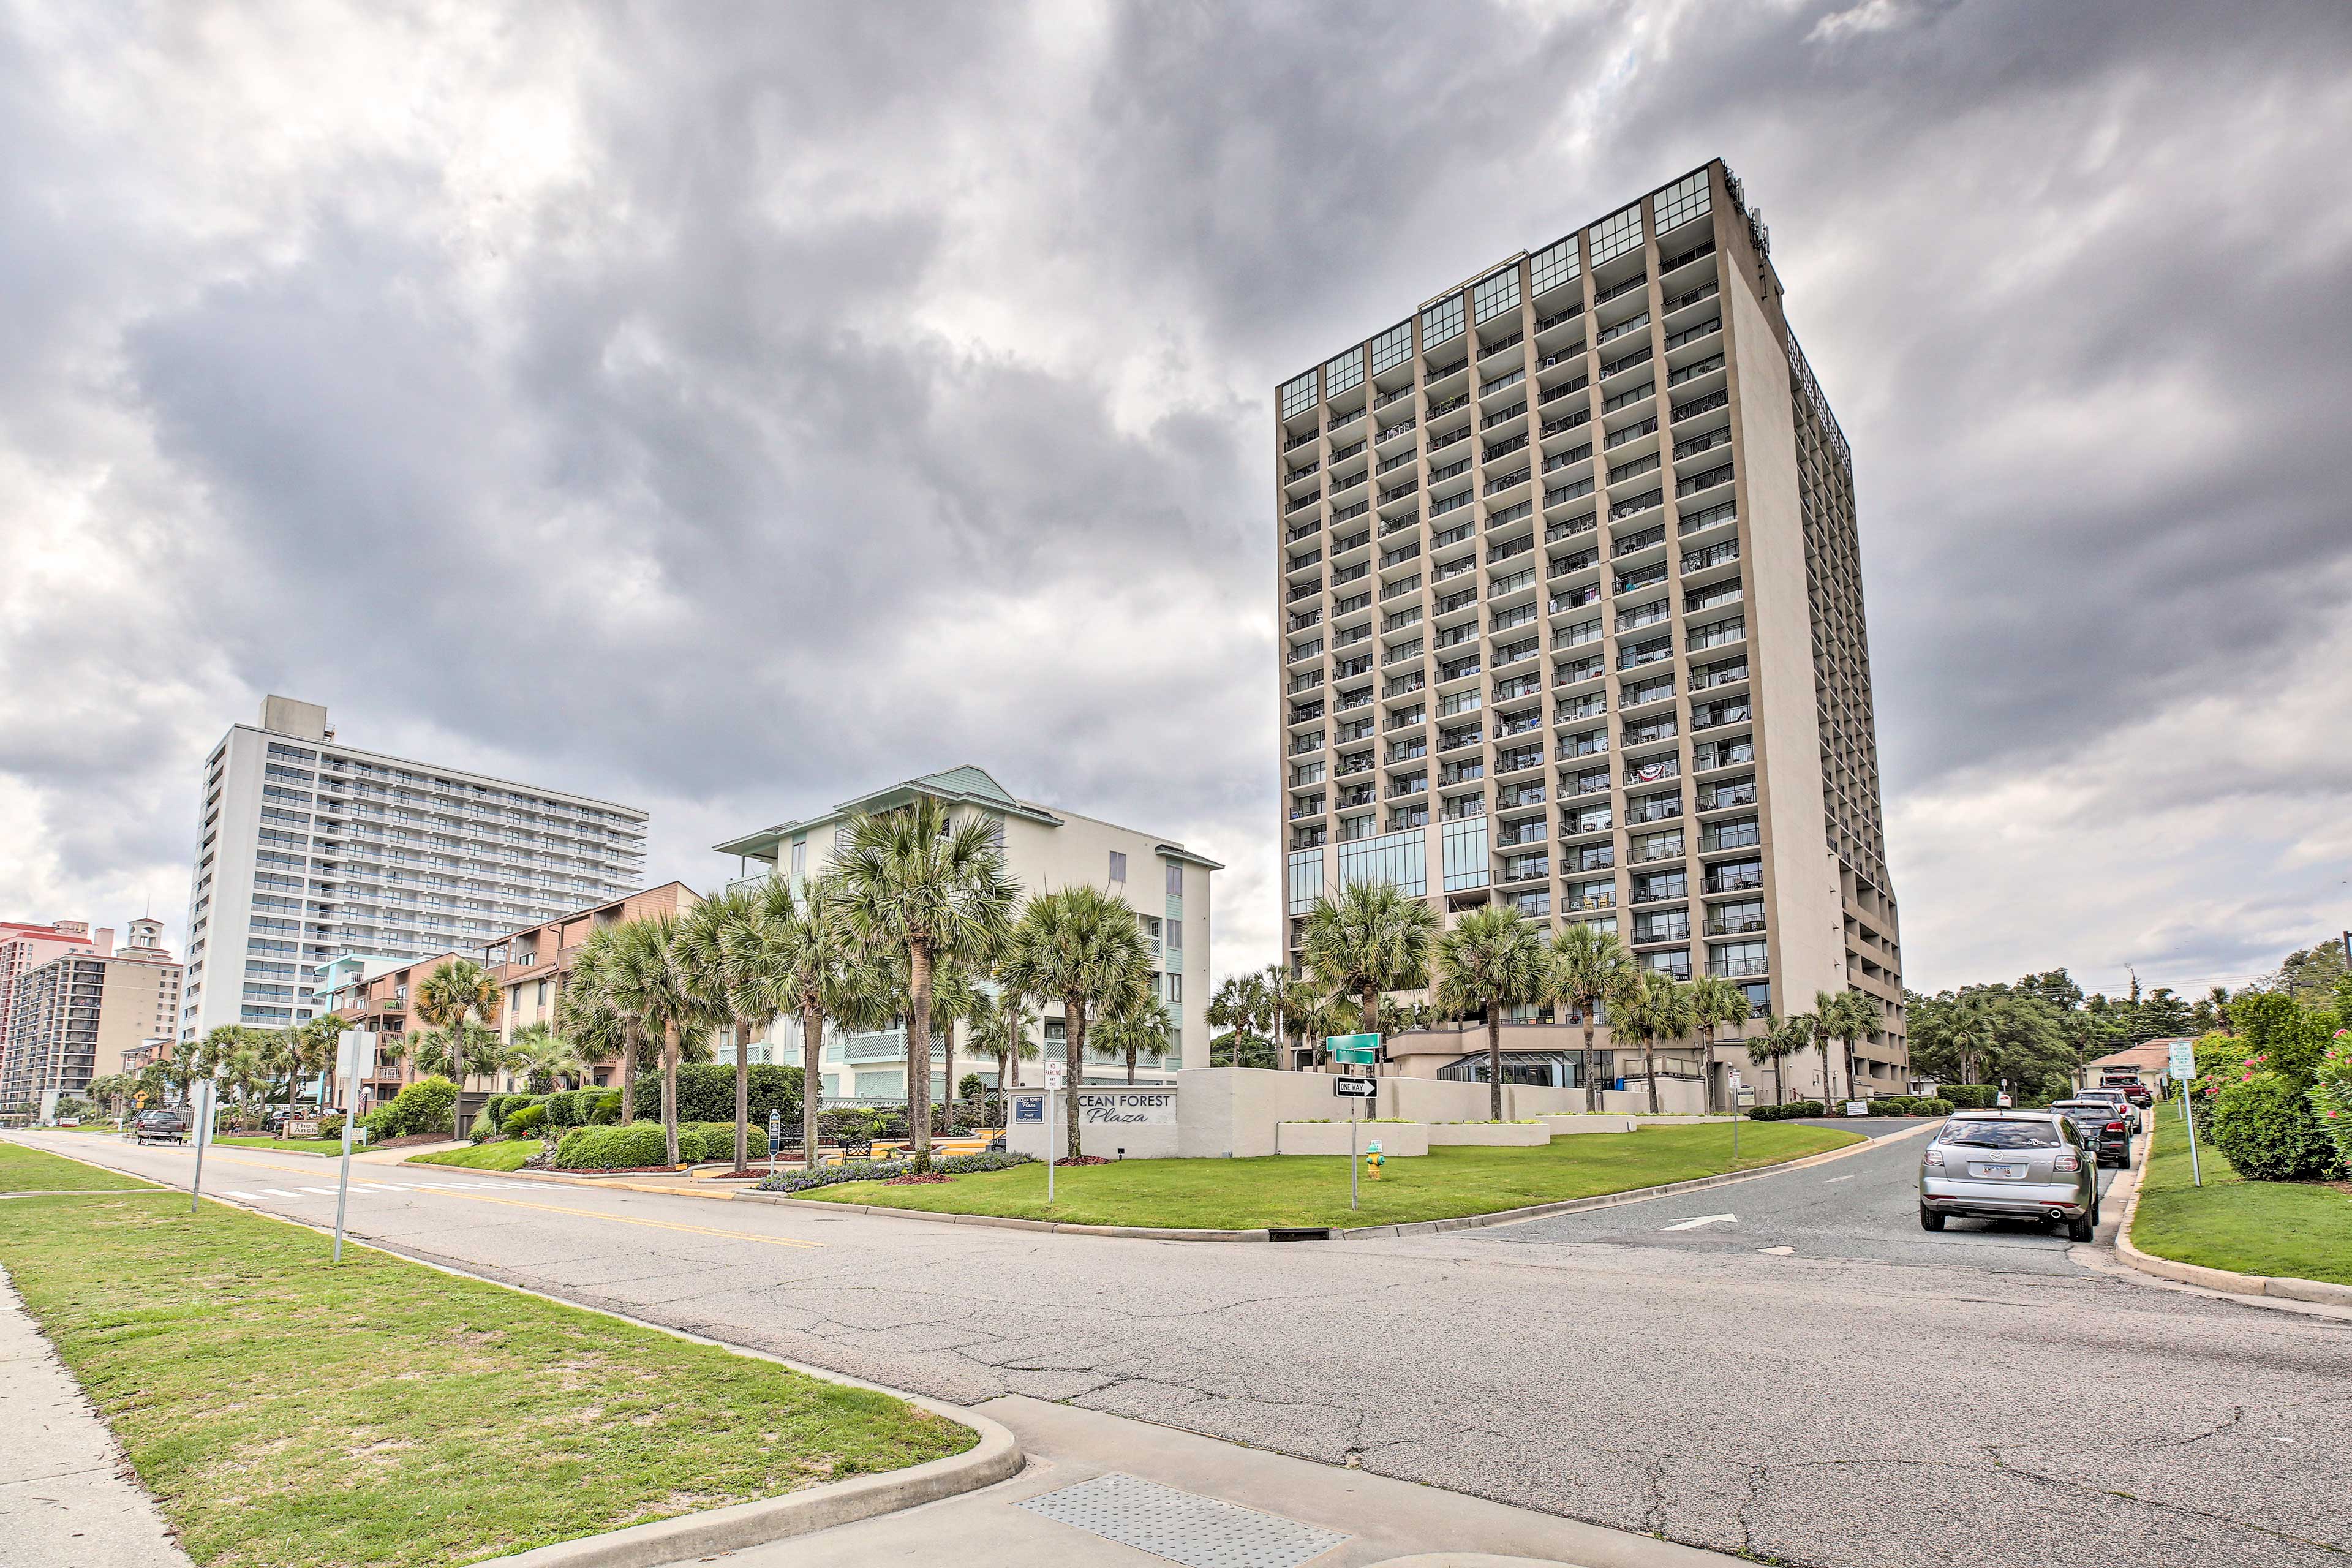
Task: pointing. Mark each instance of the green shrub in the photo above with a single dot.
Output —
(1784, 1112)
(382, 1122)
(486, 1126)
(883, 1170)
(526, 1120)
(608, 1109)
(633, 1147)
(719, 1139)
(1968, 1096)
(1934, 1106)
(330, 1127)
(2331, 1092)
(425, 1106)
(2266, 1125)
(705, 1094)
(1891, 1105)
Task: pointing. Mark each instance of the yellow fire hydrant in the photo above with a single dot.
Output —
(1373, 1161)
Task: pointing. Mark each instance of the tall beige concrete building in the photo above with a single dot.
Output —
(74, 1017)
(1571, 596)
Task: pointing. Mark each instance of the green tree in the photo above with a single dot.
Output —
(586, 1012)
(721, 946)
(810, 955)
(544, 1057)
(650, 980)
(2311, 974)
(1648, 1007)
(1369, 939)
(2288, 1036)
(916, 882)
(1137, 1028)
(1240, 1007)
(1715, 1003)
(1849, 1018)
(1079, 946)
(458, 993)
(1001, 1024)
(1492, 958)
(1782, 1039)
(2162, 1016)
(1588, 967)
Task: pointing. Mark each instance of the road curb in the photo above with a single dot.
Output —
(2286, 1288)
(996, 1457)
(1344, 1233)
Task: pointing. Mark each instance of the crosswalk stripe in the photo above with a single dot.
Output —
(322, 1192)
(240, 1194)
(281, 1193)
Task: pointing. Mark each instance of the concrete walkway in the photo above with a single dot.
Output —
(1089, 1471)
(68, 1499)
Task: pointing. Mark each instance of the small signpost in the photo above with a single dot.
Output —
(1354, 1051)
(1741, 1096)
(2183, 1066)
(200, 1130)
(775, 1135)
(1355, 1088)
(355, 1050)
(1057, 1077)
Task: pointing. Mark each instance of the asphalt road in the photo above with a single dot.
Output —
(1872, 1395)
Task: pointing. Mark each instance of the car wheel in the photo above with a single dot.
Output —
(1929, 1219)
(2082, 1229)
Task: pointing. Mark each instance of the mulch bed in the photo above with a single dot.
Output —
(1082, 1160)
(919, 1179)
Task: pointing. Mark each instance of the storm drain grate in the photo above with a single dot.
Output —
(1198, 1532)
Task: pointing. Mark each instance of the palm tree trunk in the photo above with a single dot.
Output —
(1650, 1070)
(811, 1086)
(669, 1090)
(1494, 1062)
(628, 1076)
(1707, 1067)
(1130, 1067)
(1779, 1089)
(457, 1073)
(947, 1070)
(742, 1095)
(919, 1054)
(1826, 1095)
(1073, 1047)
(1591, 1064)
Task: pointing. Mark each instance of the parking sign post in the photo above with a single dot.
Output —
(200, 1126)
(1055, 1072)
(353, 1047)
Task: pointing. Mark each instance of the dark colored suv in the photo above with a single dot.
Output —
(160, 1125)
(2105, 1132)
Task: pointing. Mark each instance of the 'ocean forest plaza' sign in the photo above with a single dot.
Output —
(1128, 1107)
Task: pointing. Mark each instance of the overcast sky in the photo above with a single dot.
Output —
(725, 410)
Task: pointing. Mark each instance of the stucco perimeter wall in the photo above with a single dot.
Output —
(1398, 1139)
(1232, 1110)
(1443, 1099)
(1143, 1122)
(1676, 1096)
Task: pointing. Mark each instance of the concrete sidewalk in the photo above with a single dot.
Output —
(1238, 1504)
(68, 1499)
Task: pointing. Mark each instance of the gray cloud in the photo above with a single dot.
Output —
(722, 410)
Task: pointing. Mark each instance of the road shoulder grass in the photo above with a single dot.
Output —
(2300, 1230)
(287, 1412)
(298, 1145)
(506, 1154)
(24, 1170)
(1312, 1190)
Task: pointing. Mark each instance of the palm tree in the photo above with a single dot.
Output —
(1490, 960)
(1974, 1033)
(539, 1052)
(1000, 1027)
(1850, 1017)
(458, 993)
(1650, 1008)
(1079, 946)
(1239, 1002)
(955, 998)
(804, 951)
(651, 981)
(1780, 1040)
(1138, 1028)
(1714, 1003)
(281, 1057)
(916, 881)
(1370, 938)
(1588, 966)
(720, 943)
(586, 1015)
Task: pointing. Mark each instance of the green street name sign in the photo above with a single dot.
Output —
(1357, 1050)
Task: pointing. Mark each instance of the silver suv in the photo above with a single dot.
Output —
(2010, 1164)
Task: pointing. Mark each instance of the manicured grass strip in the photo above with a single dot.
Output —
(506, 1155)
(2300, 1230)
(286, 1413)
(1310, 1190)
(305, 1145)
(24, 1170)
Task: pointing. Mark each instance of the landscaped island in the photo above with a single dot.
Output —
(1446, 1182)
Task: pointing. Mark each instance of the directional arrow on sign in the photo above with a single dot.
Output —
(1704, 1219)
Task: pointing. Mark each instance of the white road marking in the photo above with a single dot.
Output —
(281, 1193)
(1777, 1251)
(1838, 1179)
(322, 1192)
(1704, 1219)
(248, 1195)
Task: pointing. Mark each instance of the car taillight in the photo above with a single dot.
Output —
(2066, 1162)
(2115, 1126)
(1934, 1156)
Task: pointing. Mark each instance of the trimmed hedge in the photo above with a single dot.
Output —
(425, 1106)
(633, 1147)
(1784, 1112)
(883, 1170)
(706, 1092)
(1970, 1096)
(719, 1139)
(1935, 1105)
(2266, 1126)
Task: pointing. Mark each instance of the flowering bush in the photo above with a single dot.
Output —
(2266, 1125)
(2331, 1093)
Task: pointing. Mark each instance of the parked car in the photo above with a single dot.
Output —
(2115, 1096)
(2105, 1131)
(160, 1125)
(2138, 1093)
(2009, 1165)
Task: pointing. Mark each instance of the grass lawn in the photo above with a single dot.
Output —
(506, 1154)
(2299, 1229)
(1310, 1190)
(24, 1170)
(289, 1413)
(303, 1145)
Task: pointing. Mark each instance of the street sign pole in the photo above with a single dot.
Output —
(199, 1129)
(349, 1046)
(1353, 1202)
(1052, 1119)
(2183, 1067)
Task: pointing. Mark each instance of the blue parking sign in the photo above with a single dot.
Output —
(1029, 1107)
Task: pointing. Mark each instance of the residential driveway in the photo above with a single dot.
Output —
(1870, 1396)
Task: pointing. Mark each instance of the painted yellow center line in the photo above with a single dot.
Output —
(627, 1219)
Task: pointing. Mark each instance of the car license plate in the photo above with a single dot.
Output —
(1997, 1172)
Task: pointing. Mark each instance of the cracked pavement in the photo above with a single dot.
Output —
(1875, 1397)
